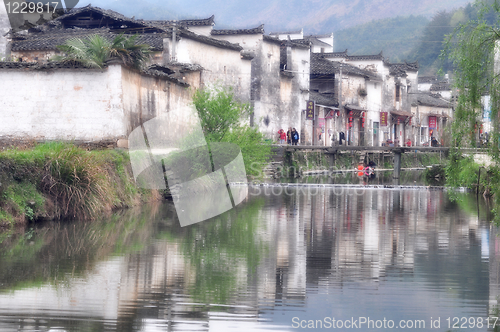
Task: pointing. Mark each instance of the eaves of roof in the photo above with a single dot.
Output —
(105, 12)
(321, 66)
(287, 32)
(425, 99)
(322, 99)
(208, 40)
(45, 66)
(441, 86)
(257, 30)
(335, 54)
(365, 57)
(293, 43)
(183, 23)
(315, 41)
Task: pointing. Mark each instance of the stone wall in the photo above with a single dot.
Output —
(81, 104)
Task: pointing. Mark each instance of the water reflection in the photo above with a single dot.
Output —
(283, 257)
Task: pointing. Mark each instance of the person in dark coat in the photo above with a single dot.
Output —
(295, 136)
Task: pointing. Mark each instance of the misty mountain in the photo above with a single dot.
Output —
(315, 16)
(395, 37)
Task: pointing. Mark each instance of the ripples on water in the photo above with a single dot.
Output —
(274, 263)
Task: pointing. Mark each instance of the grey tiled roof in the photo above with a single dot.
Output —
(49, 40)
(272, 39)
(427, 79)
(154, 70)
(400, 69)
(441, 86)
(38, 66)
(327, 35)
(321, 66)
(163, 72)
(294, 43)
(366, 57)
(183, 23)
(315, 41)
(257, 30)
(335, 54)
(427, 99)
(326, 99)
(105, 12)
(286, 33)
(209, 40)
(184, 67)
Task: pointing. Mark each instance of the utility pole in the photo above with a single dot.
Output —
(340, 102)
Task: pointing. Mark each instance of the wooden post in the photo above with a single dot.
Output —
(397, 164)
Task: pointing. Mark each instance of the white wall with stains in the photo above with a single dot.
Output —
(82, 104)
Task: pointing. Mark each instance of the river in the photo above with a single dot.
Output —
(286, 259)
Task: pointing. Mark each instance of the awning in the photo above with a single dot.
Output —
(401, 117)
(438, 115)
(401, 113)
(354, 111)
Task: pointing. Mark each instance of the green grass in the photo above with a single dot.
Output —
(60, 180)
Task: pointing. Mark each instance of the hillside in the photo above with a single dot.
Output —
(315, 16)
(395, 37)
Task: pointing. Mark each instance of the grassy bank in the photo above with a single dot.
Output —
(58, 180)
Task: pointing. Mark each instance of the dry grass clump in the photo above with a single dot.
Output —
(57, 180)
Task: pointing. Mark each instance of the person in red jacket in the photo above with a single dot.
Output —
(282, 136)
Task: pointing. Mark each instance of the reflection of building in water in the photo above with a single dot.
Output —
(304, 238)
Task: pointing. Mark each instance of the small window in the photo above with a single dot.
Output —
(397, 92)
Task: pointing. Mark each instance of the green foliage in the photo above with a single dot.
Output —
(219, 112)
(221, 115)
(218, 249)
(95, 50)
(471, 48)
(428, 50)
(430, 45)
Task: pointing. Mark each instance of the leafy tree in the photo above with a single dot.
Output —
(472, 48)
(95, 50)
(221, 118)
(428, 50)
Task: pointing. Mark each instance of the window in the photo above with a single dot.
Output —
(397, 92)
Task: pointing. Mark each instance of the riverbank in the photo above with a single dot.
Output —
(61, 180)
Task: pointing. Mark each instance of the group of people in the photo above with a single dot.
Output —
(291, 137)
(367, 171)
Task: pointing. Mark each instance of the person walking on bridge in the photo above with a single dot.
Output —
(295, 136)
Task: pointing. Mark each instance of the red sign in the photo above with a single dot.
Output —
(383, 119)
(310, 110)
(432, 122)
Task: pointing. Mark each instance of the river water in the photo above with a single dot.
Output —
(304, 258)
